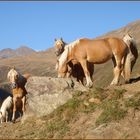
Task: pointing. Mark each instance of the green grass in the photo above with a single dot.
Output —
(60, 127)
(118, 93)
(60, 119)
(112, 111)
(133, 102)
(98, 93)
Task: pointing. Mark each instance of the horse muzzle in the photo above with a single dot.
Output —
(13, 85)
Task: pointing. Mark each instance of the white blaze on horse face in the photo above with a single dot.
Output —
(58, 46)
(12, 76)
(58, 43)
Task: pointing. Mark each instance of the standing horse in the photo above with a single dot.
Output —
(19, 92)
(73, 68)
(131, 57)
(96, 51)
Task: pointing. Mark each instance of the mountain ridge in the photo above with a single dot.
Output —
(20, 51)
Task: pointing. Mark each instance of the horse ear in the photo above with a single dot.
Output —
(14, 67)
(61, 39)
(55, 39)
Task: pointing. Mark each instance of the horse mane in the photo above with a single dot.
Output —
(128, 39)
(71, 45)
(68, 48)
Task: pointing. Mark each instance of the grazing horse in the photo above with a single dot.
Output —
(19, 92)
(73, 68)
(97, 51)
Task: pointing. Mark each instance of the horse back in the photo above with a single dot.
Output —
(93, 50)
(98, 50)
(117, 45)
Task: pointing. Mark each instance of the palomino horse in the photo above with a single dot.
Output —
(131, 57)
(18, 89)
(97, 51)
(73, 68)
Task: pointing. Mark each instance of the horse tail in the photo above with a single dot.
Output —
(131, 57)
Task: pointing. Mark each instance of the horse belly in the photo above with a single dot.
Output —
(99, 56)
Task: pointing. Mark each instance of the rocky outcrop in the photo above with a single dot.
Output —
(46, 94)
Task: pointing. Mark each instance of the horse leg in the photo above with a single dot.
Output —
(117, 69)
(123, 71)
(23, 103)
(14, 108)
(6, 116)
(69, 72)
(87, 73)
(130, 61)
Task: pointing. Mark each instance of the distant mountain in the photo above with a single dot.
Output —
(21, 51)
(5, 53)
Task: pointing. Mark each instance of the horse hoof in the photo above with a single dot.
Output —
(89, 85)
(127, 82)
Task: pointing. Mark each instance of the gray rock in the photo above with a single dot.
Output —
(46, 94)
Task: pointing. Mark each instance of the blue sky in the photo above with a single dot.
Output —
(36, 24)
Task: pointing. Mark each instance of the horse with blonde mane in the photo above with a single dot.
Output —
(98, 51)
(73, 68)
(19, 92)
(131, 57)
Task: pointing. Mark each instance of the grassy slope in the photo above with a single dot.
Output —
(81, 115)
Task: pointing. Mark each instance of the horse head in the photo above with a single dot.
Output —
(13, 77)
(62, 70)
(59, 46)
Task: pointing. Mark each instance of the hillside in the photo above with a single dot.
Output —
(97, 113)
(21, 51)
(102, 112)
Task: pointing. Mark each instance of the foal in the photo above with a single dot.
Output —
(18, 89)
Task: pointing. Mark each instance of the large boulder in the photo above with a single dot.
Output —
(46, 94)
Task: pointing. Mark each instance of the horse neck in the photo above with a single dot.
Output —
(21, 81)
(67, 50)
(64, 56)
